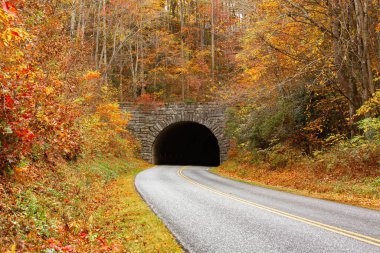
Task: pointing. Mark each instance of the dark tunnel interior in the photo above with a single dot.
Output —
(186, 143)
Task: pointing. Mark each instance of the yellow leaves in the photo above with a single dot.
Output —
(13, 249)
(316, 126)
(49, 90)
(13, 35)
(372, 106)
(278, 47)
(256, 72)
(104, 127)
(181, 70)
(269, 7)
(213, 88)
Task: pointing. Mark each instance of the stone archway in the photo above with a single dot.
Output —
(148, 123)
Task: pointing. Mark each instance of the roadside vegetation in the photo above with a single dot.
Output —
(267, 150)
(302, 80)
(87, 206)
(310, 120)
(67, 162)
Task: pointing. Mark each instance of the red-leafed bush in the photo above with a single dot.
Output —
(37, 119)
(18, 88)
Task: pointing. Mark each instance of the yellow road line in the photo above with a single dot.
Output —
(360, 237)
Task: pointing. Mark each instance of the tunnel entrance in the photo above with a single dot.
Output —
(186, 143)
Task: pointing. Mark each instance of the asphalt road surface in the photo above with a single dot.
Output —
(208, 213)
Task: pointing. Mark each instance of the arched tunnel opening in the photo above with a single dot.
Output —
(186, 143)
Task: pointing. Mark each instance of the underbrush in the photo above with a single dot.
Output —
(310, 147)
(87, 206)
(348, 172)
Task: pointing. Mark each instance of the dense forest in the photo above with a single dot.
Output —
(301, 80)
(294, 72)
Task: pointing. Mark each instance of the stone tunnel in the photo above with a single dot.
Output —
(180, 134)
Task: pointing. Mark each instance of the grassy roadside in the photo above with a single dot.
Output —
(138, 228)
(89, 206)
(364, 192)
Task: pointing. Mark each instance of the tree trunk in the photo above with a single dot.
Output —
(73, 19)
(182, 19)
(104, 50)
(121, 82)
(97, 61)
(142, 74)
(212, 41)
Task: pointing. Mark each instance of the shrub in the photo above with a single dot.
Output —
(105, 132)
(265, 126)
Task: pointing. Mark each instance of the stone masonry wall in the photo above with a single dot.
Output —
(147, 122)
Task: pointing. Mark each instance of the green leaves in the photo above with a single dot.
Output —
(8, 130)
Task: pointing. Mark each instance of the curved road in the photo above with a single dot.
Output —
(208, 213)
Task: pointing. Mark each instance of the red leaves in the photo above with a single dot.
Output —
(30, 101)
(9, 8)
(15, 34)
(5, 6)
(9, 102)
(145, 99)
(83, 235)
(25, 134)
(57, 246)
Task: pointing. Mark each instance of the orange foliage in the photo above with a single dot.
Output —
(46, 86)
(92, 75)
(304, 179)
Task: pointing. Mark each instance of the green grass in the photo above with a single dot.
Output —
(89, 206)
(138, 229)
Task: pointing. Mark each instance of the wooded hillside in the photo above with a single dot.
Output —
(301, 79)
(307, 65)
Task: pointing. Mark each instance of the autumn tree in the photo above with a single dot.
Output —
(329, 49)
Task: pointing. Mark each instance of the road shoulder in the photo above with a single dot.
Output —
(309, 189)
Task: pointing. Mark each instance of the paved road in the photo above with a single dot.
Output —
(208, 213)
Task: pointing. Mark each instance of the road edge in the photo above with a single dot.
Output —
(178, 238)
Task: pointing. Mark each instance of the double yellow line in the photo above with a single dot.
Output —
(359, 237)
